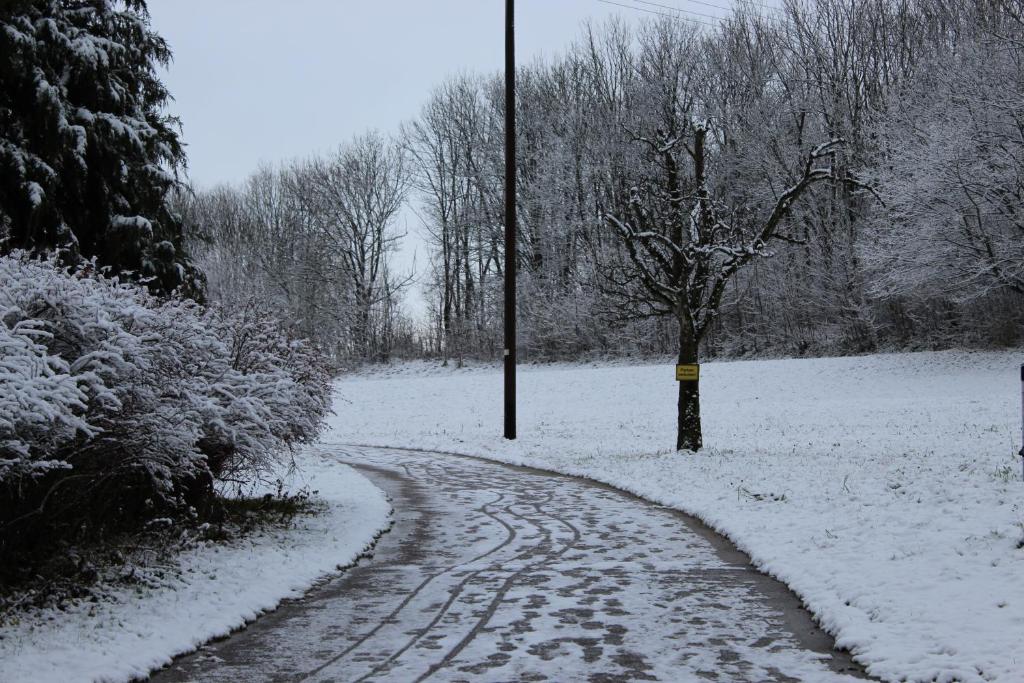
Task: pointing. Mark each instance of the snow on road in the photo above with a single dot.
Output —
(885, 490)
(493, 573)
(220, 587)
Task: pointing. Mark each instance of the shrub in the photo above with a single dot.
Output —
(117, 407)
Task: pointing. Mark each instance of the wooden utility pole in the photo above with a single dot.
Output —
(510, 220)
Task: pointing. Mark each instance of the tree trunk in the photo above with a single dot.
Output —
(363, 332)
(361, 325)
(688, 435)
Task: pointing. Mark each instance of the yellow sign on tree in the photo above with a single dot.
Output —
(687, 373)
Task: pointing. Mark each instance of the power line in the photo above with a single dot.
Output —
(773, 14)
(731, 8)
(679, 9)
(660, 14)
(774, 8)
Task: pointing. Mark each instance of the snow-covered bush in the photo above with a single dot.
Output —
(117, 406)
(39, 402)
(276, 393)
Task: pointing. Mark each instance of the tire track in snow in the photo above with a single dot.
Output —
(565, 580)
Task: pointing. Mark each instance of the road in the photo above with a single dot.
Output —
(496, 573)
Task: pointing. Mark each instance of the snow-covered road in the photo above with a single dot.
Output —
(494, 573)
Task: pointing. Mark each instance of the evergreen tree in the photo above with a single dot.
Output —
(88, 157)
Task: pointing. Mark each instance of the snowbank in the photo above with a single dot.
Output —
(135, 630)
(885, 490)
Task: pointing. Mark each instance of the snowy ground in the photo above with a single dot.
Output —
(885, 490)
(135, 630)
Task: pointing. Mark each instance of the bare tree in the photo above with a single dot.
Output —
(352, 200)
(685, 244)
(455, 147)
(312, 240)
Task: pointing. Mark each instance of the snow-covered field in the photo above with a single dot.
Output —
(135, 630)
(885, 490)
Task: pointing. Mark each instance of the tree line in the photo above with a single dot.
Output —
(906, 232)
(912, 239)
(315, 240)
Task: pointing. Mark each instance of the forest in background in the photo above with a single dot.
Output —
(915, 241)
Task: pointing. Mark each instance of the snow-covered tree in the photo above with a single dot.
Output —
(954, 177)
(87, 154)
(686, 190)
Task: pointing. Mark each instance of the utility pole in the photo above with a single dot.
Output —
(510, 220)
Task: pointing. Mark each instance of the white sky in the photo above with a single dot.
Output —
(271, 80)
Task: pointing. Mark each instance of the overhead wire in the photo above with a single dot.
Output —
(661, 14)
(681, 13)
(679, 9)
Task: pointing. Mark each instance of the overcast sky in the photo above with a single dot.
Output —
(270, 80)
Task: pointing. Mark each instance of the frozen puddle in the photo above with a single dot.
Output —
(494, 573)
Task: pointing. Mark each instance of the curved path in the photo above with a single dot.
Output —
(498, 573)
